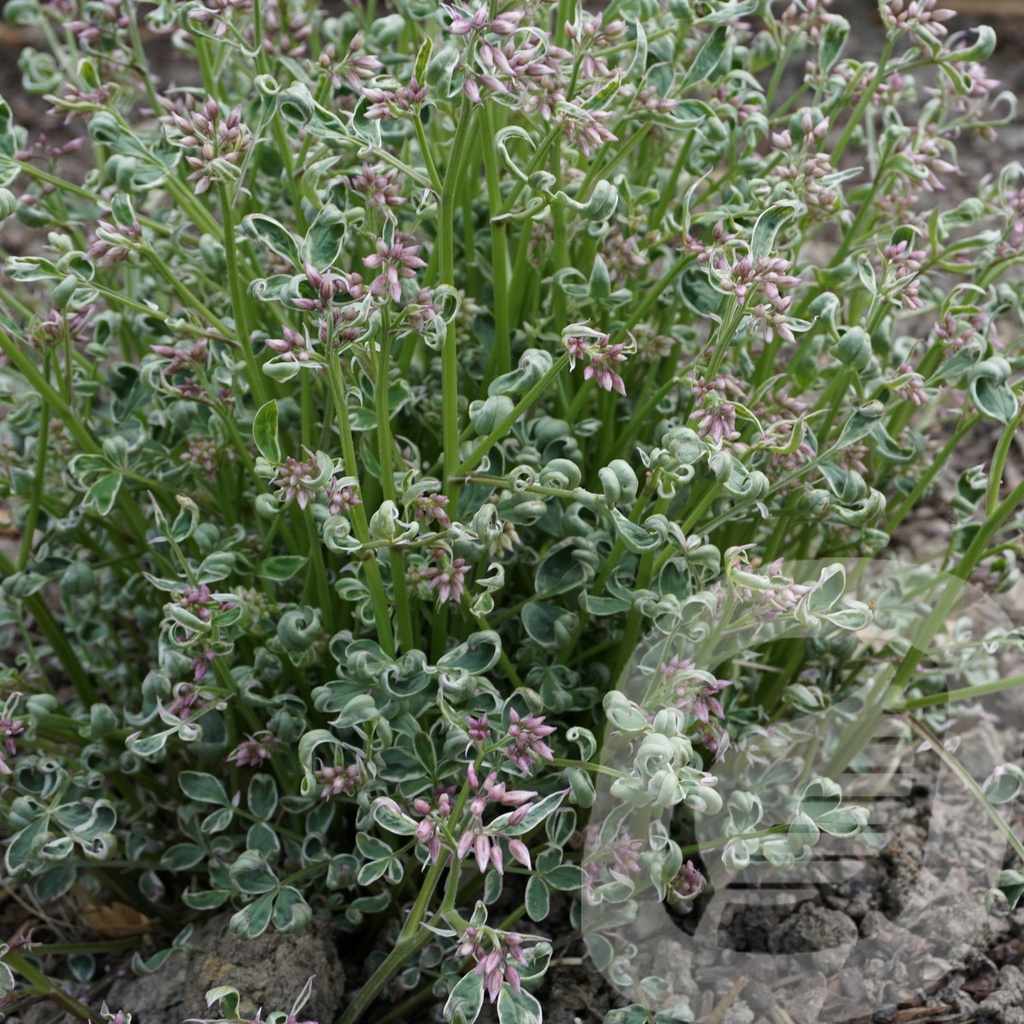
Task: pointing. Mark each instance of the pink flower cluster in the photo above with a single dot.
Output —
(476, 836)
(448, 581)
(9, 728)
(396, 262)
(602, 358)
(340, 780)
(496, 964)
(694, 689)
(528, 735)
(255, 750)
(716, 415)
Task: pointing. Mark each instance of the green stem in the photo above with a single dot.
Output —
(954, 586)
(446, 275)
(386, 456)
(669, 188)
(929, 475)
(57, 639)
(1002, 450)
(413, 936)
(47, 988)
(967, 780)
(963, 693)
(505, 425)
(319, 571)
(428, 160)
(378, 596)
(501, 357)
(35, 497)
(862, 105)
(239, 306)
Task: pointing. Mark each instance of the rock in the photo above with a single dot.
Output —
(980, 750)
(828, 935)
(268, 971)
(738, 1013)
(952, 928)
(804, 1003)
(1005, 1004)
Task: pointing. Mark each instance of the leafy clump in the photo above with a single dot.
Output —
(405, 425)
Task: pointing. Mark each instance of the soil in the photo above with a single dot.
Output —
(904, 939)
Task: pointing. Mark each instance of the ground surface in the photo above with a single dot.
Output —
(880, 947)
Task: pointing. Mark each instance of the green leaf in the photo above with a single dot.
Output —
(102, 495)
(994, 399)
(479, 654)
(709, 56)
(829, 588)
(274, 236)
(298, 107)
(291, 911)
(820, 796)
(182, 856)
(560, 571)
(697, 293)
(141, 968)
(634, 537)
(217, 821)
(373, 848)
(209, 900)
(7, 981)
(262, 796)
(638, 65)
(251, 874)
(547, 624)
(387, 814)
(8, 141)
(55, 882)
(603, 95)
(731, 11)
(1012, 884)
(1005, 784)
(262, 839)
(252, 921)
(603, 605)
(371, 871)
(802, 832)
(632, 1014)
(364, 127)
(858, 426)
(766, 227)
(843, 821)
(264, 432)
(534, 816)
(956, 365)
(203, 787)
(465, 1000)
(517, 1007)
(19, 852)
(423, 59)
(538, 898)
(831, 41)
(281, 567)
(324, 239)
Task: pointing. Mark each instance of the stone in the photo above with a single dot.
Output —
(827, 935)
(268, 971)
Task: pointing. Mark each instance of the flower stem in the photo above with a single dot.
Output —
(446, 274)
(378, 596)
(238, 300)
(386, 455)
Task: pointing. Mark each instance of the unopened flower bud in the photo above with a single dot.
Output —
(854, 348)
